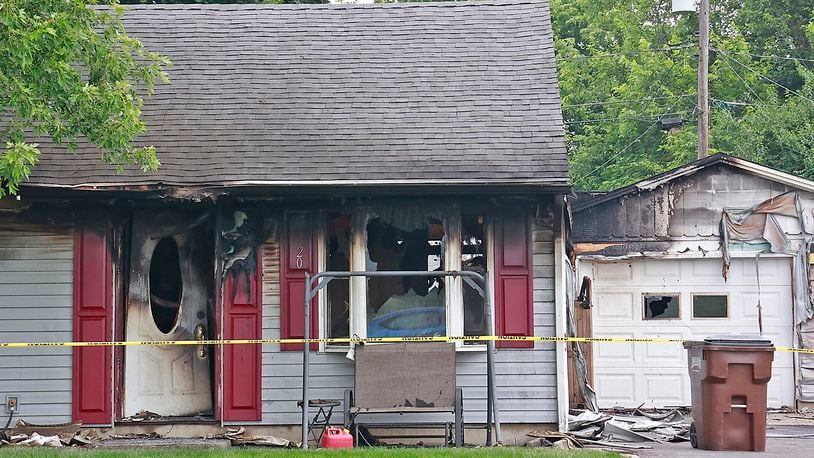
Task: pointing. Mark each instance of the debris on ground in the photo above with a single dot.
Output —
(25, 434)
(790, 416)
(618, 429)
(238, 437)
(152, 435)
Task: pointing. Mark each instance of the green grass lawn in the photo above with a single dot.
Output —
(258, 452)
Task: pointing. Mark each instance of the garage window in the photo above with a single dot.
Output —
(710, 306)
(660, 306)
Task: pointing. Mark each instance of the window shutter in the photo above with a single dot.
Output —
(93, 312)
(243, 293)
(514, 308)
(298, 255)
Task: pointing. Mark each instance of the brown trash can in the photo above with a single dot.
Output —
(728, 378)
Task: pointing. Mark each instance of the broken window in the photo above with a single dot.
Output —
(166, 286)
(660, 306)
(473, 258)
(338, 290)
(710, 306)
(401, 306)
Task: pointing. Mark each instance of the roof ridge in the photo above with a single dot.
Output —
(324, 6)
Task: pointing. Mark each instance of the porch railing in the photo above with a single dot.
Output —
(478, 282)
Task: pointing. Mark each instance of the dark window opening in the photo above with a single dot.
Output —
(406, 306)
(338, 290)
(710, 306)
(473, 258)
(166, 285)
(660, 306)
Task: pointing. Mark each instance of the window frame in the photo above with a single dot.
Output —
(644, 306)
(358, 285)
(692, 306)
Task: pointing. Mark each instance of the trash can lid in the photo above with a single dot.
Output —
(750, 340)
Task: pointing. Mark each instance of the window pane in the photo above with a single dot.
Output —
(473, 257)
(660, 306)
(338, 290)
(714, 306)
(405, 306)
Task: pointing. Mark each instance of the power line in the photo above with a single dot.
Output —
(614, 156)
(726, 54)
(769, 56)
(625, 53)
(743, 80)
(616, 102)
(620, 152)
(628, 118)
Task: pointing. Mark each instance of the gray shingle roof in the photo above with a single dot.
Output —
(340, 94)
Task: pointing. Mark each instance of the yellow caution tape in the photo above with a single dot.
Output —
(363, 340)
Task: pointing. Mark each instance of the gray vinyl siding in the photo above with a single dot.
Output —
(36, 304)
(526, 378)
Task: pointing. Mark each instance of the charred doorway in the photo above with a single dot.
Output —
(170, 297)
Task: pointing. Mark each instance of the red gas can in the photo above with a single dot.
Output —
(336, 438)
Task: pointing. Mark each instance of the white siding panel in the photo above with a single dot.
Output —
(526, 378)
(36, 303)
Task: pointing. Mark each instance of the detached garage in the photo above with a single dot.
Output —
(682, 299)
(719, 246)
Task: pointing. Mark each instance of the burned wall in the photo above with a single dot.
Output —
(686, 207)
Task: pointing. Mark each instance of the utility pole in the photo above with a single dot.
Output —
(703, 79)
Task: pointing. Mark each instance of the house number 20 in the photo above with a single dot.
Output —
(300, 251)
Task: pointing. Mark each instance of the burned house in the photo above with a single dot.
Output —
(718, 246)
(298, 139)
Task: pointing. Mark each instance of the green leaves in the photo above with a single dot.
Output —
(624, 66)
(69, 72)
(15, 165)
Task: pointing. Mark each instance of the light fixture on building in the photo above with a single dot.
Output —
(683, 6)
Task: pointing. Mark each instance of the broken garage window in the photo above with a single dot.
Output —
(338, 290)
(473, 258)
(405, 306)
(710, 306)
(660, 306)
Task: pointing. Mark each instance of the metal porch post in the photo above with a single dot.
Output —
(490, 363)
(305, 360)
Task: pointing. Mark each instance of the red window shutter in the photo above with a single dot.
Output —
(243, 307)
(298, 255)
(514, 308)
(93, 312)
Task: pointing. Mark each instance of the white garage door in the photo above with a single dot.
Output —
(629, 374)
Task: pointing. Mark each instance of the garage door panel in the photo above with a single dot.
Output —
(616, 389)
(615, 306)
(706, 270)
(663, 353)
(666, 389)
(613, 271)
(661, 272)
(773, 271)
(629, 374)
(615, 351)
(771, 302)
(782, 382)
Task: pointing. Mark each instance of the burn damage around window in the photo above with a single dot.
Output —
(338, 290)
(238, 244)
(166, 285)
(473, 258)
(405, 306)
